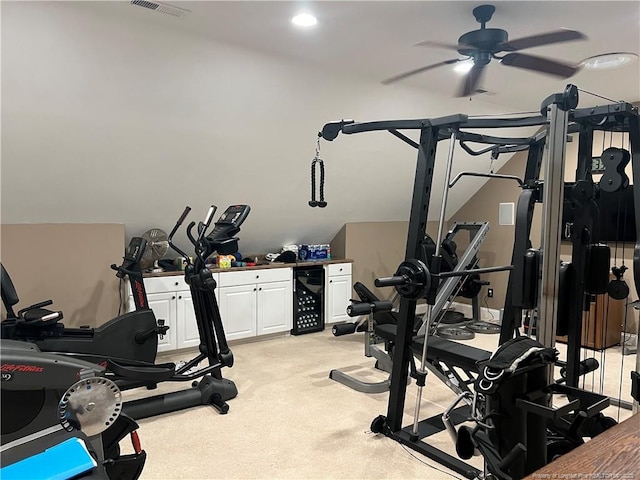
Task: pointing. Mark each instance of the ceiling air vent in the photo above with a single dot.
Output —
(161, 7)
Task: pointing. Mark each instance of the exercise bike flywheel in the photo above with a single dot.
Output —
(90, 405)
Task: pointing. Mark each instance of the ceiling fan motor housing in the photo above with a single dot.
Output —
(486, 39)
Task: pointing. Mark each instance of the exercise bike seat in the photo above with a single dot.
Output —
(142, 371)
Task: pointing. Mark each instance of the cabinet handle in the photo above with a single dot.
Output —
(340, 269)
(330, 281)
(260, 289)
(257, 276)
(176, 284)
(173, 298)
(179, 297)
(254, 289)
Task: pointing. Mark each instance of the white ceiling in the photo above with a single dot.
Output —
(374, 40)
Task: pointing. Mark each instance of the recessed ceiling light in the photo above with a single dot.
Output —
(304, 20)
(464, 66)
(609, 60)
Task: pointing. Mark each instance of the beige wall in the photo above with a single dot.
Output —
(67, 263)
(498, 245)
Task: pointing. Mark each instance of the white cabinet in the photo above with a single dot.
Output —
(338, 282)
(256, 302)
(275, 307)
(238, 309)
(170, 299)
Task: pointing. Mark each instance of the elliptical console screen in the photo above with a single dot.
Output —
(229, 222)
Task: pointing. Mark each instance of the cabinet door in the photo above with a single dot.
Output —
(186, 325)
(338, 298)
(164, 308)
(238, 311)
(274, 307)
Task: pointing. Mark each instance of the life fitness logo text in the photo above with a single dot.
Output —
(7, 370)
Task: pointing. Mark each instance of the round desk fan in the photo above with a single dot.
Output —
(157, 247)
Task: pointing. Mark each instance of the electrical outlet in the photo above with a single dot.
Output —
(490, 292)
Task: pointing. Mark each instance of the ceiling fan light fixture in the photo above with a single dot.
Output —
(304, 20)
(464, 66)
(609, 60)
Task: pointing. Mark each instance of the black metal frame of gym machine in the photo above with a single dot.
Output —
(431, 132)
(619, 117)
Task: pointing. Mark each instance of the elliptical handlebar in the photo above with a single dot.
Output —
(175, 229)
(207, 222)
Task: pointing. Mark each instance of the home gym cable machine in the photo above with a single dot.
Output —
(517, 447)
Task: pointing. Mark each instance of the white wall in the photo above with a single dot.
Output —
(108, 119)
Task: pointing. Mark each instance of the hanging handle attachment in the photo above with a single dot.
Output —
(315, 164)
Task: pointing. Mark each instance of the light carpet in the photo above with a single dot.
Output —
(290, 421)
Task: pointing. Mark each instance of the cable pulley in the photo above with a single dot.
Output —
(618, 288)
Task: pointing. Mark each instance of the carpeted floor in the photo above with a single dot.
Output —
(290, 421)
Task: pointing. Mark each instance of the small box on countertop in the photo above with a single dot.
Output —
(311, 253)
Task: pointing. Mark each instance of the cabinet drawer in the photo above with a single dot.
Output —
(339, 269)
(165, 284)
(247, 277)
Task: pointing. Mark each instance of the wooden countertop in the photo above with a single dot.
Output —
(257, 267)
(612, 454)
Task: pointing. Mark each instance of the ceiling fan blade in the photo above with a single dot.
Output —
(539, 64)
(470, 82)
(556, 36)
(418, 70)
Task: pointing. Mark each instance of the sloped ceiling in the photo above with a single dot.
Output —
(374, 39)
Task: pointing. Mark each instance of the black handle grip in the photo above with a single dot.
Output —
(343, 329)
(391, 281)
(588, 365)
(515, 453)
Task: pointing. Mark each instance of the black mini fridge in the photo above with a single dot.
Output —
(308, 299)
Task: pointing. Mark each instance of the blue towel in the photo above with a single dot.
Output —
(60, 462)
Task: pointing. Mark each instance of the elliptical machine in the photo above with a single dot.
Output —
(132, 336)
(212, 389)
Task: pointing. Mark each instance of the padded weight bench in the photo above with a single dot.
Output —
(440, 349)
(450, 352)
(446, 359)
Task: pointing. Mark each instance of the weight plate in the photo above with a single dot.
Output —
(452, 317)
(483, 327)
(418, 279)
(90, 405)
(471, 287)
(455, 333)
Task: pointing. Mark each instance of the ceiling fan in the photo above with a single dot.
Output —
(483, 45)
